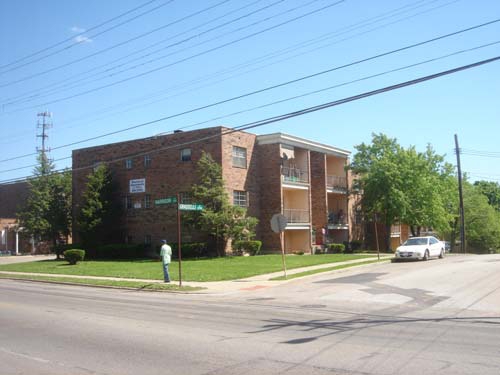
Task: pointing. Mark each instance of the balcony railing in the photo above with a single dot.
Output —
(295, 215)
(295, 175)
(336, 183)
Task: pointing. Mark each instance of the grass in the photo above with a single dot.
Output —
(312, 272)
(111, 283)
(216, 269)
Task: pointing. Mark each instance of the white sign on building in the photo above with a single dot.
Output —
(138, 185)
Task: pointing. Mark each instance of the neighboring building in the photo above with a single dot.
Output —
(12, 197)
(267, 174)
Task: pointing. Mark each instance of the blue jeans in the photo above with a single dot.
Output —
(166, 276)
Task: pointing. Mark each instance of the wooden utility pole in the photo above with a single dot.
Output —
(461, 199)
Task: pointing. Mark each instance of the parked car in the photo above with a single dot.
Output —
(447, 246)
(421, 248)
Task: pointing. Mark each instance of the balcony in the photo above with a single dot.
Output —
(295, 175)
(336, 183)
(337, 220)
(296, 215)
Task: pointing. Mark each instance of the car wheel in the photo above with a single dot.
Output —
(441, 255)
(426, 255)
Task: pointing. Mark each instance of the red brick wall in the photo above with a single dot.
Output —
(269, 161)
(12, 197)
(319, 196)
(166, 176)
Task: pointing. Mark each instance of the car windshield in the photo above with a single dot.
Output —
(415, 241)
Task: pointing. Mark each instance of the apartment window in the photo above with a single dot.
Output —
(147, 201)
(147, 161)
(239, 157)
(128, 163)
(186, 198)
(186, 154)
(147, 239)
(240, 198)
(128, 202)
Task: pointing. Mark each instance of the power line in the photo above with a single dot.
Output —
(268, 56)
(268, 88)
(301, 112)
(184, 59)
(80, 34)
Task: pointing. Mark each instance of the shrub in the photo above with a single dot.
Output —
(336, 248)
(356, 245)
(190, 250)
(251, 247)
(73, 256)
(117, 251)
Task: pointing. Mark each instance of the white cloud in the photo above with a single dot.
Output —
(76, 29)
(82, 39)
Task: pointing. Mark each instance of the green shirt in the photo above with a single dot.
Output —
(166, 253)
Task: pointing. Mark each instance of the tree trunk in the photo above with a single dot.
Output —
(412, 228)
(388, 237)
(228, 250)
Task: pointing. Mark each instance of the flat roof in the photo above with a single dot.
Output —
(301, 142)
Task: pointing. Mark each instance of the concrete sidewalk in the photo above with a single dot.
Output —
(220, 287)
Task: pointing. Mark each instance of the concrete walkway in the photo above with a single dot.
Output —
(211, 287)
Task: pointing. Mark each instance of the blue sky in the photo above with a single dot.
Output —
(167, 57)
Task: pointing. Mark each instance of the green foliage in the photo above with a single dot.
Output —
(403, 185)
(117, 251)
(251, 247)
(219, 218)
(482, 221)
(47, 213)
(74, 256)
(101, 211)
(491, 190)
(356, 245)
(336, 248)
(190, 250)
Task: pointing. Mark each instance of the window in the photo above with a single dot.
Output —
(147, 201)
(128, 163)
(128, 202)
(147, 161)
(240, 198)
(239, 157)
(147, 239)
(186, 198)
(186, 154)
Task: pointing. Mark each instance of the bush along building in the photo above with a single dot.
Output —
(266, 174)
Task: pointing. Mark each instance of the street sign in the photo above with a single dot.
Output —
(167, 200)
(278, 223)
(191, 207)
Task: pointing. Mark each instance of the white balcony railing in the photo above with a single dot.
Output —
(295, 175)
(294, 215)
(336, 183)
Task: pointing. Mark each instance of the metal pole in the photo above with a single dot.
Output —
(461, 199)
(179, 244)
(283, 252)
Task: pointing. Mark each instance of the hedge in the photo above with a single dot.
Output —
(336, 248)
(74, 256)
(251, 247)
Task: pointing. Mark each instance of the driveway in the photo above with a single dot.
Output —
(24, 258)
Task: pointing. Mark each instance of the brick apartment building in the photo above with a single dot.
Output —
(267, 174)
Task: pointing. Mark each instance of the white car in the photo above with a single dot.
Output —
(420, 248)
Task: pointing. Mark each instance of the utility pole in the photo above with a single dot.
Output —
(43, 125)
(461, 198)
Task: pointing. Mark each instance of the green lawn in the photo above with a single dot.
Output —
(216, 269)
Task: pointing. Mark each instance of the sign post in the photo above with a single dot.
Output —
(179, 245)
(278, 225)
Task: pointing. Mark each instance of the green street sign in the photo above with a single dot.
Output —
(191, 207)
(167, 200)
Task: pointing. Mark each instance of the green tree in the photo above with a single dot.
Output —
(219, 218)
(404, 185)
(100, 211)
(482, 220)
(491, 190)
(47, 213)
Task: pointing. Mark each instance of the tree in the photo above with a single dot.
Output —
(47, 213)
(100, 211)
(482, 220)
(404, 185)
(219, 218)
(491, 190)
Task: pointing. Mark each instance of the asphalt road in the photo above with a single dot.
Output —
(436, 317)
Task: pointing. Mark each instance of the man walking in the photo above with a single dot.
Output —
(166, 257)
